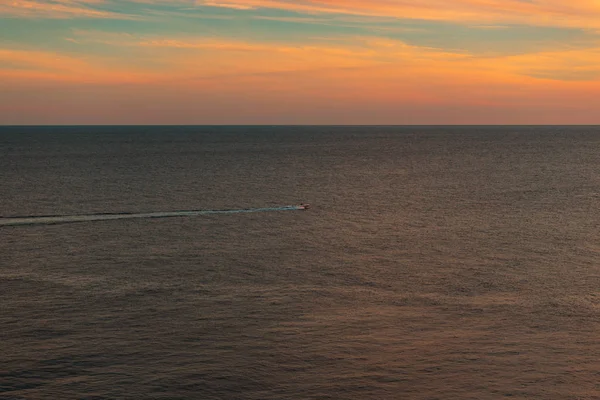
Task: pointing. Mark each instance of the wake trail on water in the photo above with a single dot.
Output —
(63, 219)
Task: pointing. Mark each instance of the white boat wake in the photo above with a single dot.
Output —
(63, 219)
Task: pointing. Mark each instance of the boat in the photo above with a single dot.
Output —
(303, 206)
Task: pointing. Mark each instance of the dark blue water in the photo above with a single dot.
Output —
(435, 263)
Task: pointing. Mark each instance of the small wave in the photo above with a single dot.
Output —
(63, 219)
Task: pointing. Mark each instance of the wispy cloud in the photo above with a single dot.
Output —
(204, 57)
(57, 9)
(490, 13)
(567, 65)
(48, 66)
(357, 57)
(579, 13)
(235, 6)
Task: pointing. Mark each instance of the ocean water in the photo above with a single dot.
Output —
(435, 263)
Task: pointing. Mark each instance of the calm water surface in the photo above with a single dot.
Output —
(436, 263)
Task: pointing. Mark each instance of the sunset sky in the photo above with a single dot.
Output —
(299, 62)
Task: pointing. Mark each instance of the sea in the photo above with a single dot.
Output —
(440, 262)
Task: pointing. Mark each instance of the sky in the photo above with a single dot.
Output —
(341, 62)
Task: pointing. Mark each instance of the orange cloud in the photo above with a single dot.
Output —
(575, 13)
(213, 56)
(26, 66)
(203, 77)
(235, 6)
(57, 9)
(189, 57)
